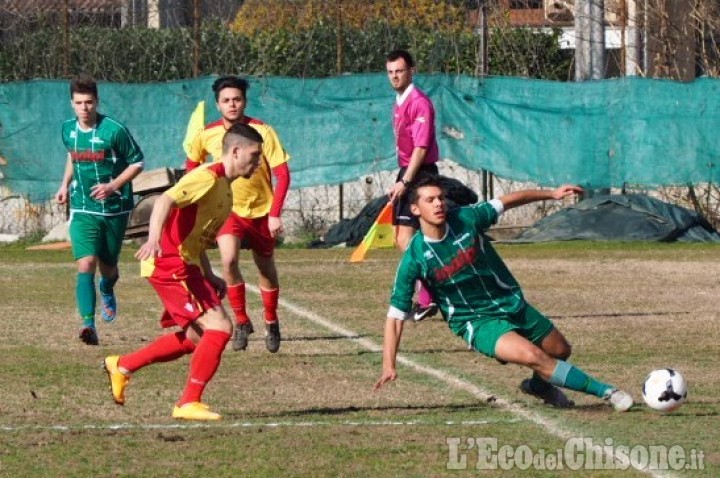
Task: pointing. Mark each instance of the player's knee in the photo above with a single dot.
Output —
(87, 264)
(216, 319)
(536, 358)
(556, 345)
(564, 350)
(559, 347)
(267, 269)
(229, 264)
(222, 323)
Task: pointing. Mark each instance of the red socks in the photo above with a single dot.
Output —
(236, 297)
(203, 365)
(164, 349)
(270, 303)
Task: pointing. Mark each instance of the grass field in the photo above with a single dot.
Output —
(310, 410)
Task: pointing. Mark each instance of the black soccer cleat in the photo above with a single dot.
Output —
(272, 337)
(89, 336)
(241, 334)
(552, 395)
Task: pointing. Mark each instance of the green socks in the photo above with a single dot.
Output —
(88, 321)
(568, 376)
(85, 296)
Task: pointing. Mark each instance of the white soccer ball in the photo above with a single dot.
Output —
(664, 390)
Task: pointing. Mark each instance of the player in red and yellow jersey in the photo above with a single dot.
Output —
(183, 225)
(255, 218)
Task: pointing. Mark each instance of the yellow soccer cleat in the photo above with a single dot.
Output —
(195, 411)
(118, 380)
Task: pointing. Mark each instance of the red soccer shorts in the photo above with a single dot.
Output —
(254, 234)
(184, 292)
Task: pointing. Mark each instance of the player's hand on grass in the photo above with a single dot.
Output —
(387, 376)
(565, 191)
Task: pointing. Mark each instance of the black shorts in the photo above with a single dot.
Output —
(401, 209)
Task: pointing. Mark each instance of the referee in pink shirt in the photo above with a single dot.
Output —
(417, 153)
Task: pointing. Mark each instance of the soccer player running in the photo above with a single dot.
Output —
(417, 154)
(183, 225)
(103, 158)
(480, 299)
(255, 219)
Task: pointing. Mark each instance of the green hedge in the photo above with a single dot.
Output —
(150, 55)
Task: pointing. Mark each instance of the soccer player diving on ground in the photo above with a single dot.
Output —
(480, 299)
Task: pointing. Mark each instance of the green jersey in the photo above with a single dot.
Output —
(99, 155)
(464, 274)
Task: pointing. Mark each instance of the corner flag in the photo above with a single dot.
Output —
(195, 126)
(381, 234)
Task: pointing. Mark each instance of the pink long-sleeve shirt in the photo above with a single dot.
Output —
(414, 125)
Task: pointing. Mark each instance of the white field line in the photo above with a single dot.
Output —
(546, 424)
(257, 424)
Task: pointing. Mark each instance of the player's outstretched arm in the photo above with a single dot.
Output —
(391, 343)
(520, 198)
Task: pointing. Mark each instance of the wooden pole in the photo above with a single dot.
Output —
(339, 60)
(481, 69)
(196, 38)
(66, 38)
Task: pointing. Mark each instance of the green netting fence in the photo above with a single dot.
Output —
(608, 133)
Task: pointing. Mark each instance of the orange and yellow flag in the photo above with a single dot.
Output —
(381, 234)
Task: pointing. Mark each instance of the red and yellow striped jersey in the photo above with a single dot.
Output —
(203, 200)
(252, 197)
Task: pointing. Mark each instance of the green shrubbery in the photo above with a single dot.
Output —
(152, 55)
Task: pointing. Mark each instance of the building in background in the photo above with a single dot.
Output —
(652, 38)
(19, 14)
(176, 13)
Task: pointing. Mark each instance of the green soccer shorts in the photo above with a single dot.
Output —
(96, 235)
(482, 333)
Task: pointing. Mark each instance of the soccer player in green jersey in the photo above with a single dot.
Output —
(103, 158)
(480, 299)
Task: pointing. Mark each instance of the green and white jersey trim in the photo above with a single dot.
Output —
(396, 313)
(463, 272)
(99, 155)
